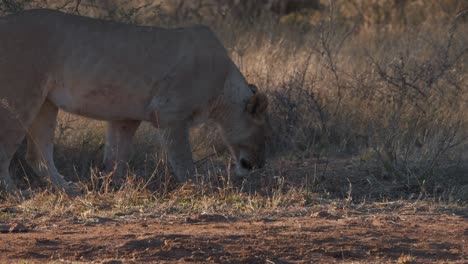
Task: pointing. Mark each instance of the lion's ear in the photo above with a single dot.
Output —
(253, 87)
(257, 104)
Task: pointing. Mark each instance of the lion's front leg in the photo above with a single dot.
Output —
(179, 152)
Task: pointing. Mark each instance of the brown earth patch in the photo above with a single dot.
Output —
(315, 237)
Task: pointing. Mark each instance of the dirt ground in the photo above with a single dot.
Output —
(300, 237)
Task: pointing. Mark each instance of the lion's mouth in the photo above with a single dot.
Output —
(245, 164)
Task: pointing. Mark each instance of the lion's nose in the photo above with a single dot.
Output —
(246, 164)
(261, 165)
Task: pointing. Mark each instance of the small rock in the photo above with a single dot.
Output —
(9, 210)
(17, 228)
(212, 218)
(206, 218)
(112, 261)
(191, 220)
(326, 215)
(4, 228)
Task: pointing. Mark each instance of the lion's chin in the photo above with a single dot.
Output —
(240, 173)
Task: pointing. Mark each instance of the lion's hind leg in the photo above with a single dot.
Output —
(40, 148)
(8, 147)
(14, 121)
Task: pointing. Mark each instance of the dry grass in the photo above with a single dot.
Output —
(406, 259)
(136, 199)
(363, 106)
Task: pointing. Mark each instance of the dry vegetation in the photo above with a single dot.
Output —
(369, 104)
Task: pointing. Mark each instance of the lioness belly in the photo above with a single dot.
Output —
(99, 102)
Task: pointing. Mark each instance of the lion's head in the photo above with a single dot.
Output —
(247, 133)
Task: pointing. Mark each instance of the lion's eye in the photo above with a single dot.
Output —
(246, 164)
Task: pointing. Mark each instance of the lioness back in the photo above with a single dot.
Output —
(119, 66)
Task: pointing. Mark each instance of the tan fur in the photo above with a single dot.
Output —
(122, 74)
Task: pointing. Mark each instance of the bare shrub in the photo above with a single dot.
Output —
(421, 82)
(398, 102)
(13, 6)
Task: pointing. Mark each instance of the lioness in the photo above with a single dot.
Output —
(123, 74)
